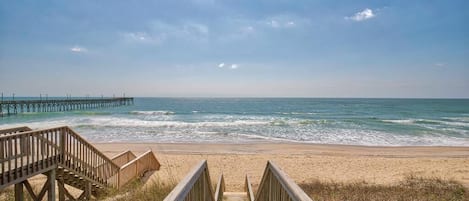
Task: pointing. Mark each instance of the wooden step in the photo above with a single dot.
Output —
(235, 196)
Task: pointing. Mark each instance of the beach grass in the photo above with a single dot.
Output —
(136, 190)
(411, 188)
(7, 194)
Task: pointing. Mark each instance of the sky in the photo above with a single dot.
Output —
(235, 48)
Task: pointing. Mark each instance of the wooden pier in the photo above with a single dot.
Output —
(12, 107)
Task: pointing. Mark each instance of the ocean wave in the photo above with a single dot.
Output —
(279, 122)
(129, 122)
(315, 121)
(297, 113)
(428, 122)
(459, 119)
(156, 112)
(91, 113)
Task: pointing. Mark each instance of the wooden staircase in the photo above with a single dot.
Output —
(64, 156)
(274, 186)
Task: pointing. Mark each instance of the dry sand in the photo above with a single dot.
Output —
(304, 162)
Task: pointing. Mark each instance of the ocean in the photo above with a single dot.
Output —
(388, 122)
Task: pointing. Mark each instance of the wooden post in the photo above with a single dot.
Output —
(19, 195)
(61, 186)
(51, 187)
(88, 190)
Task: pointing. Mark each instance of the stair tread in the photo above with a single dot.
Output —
(235, 196)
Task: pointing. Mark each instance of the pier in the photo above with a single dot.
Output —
(13, 107)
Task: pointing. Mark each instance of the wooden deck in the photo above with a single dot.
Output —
(66, 158)
(12, 107)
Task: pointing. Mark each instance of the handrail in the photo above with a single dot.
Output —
(275, 184)
(195, 186)
(137, 166)
(248, 188)
(220, 188)
(14, 130)
(23, 145)
(88, 157)
(123, 158)
(52, 147)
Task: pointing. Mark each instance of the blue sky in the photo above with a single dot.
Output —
(273, 48)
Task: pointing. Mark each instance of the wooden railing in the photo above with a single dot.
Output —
(14, 130)
(83, 158)
(17, 165)
(23, 146)
(195, 186)
(248, 189)
(220, 188)
(137, 167)
(50, 148)
(277, 186)
(123, 158)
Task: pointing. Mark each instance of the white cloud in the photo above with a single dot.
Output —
(247, 30)
(273, 23)
(78, 49)
(157, 32)
(281, 24)
(221, 65)
(234, 66)
(362, 15)
(290, 23)
(286, 21)
(144, 37)
(440, 64)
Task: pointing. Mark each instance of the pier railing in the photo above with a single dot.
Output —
(277, 186)
(195, 186)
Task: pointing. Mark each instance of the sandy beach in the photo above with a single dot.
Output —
(304, 162)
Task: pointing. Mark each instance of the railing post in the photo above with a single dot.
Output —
(19, 193)
(62, 145)
(118, 178)
(51, 187)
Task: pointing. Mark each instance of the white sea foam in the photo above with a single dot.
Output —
(459, 122)
(157, 112)
(247, 128)
(400, 121)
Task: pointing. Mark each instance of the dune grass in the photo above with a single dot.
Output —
(411, 188)
(135, 191)
(7, 194)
